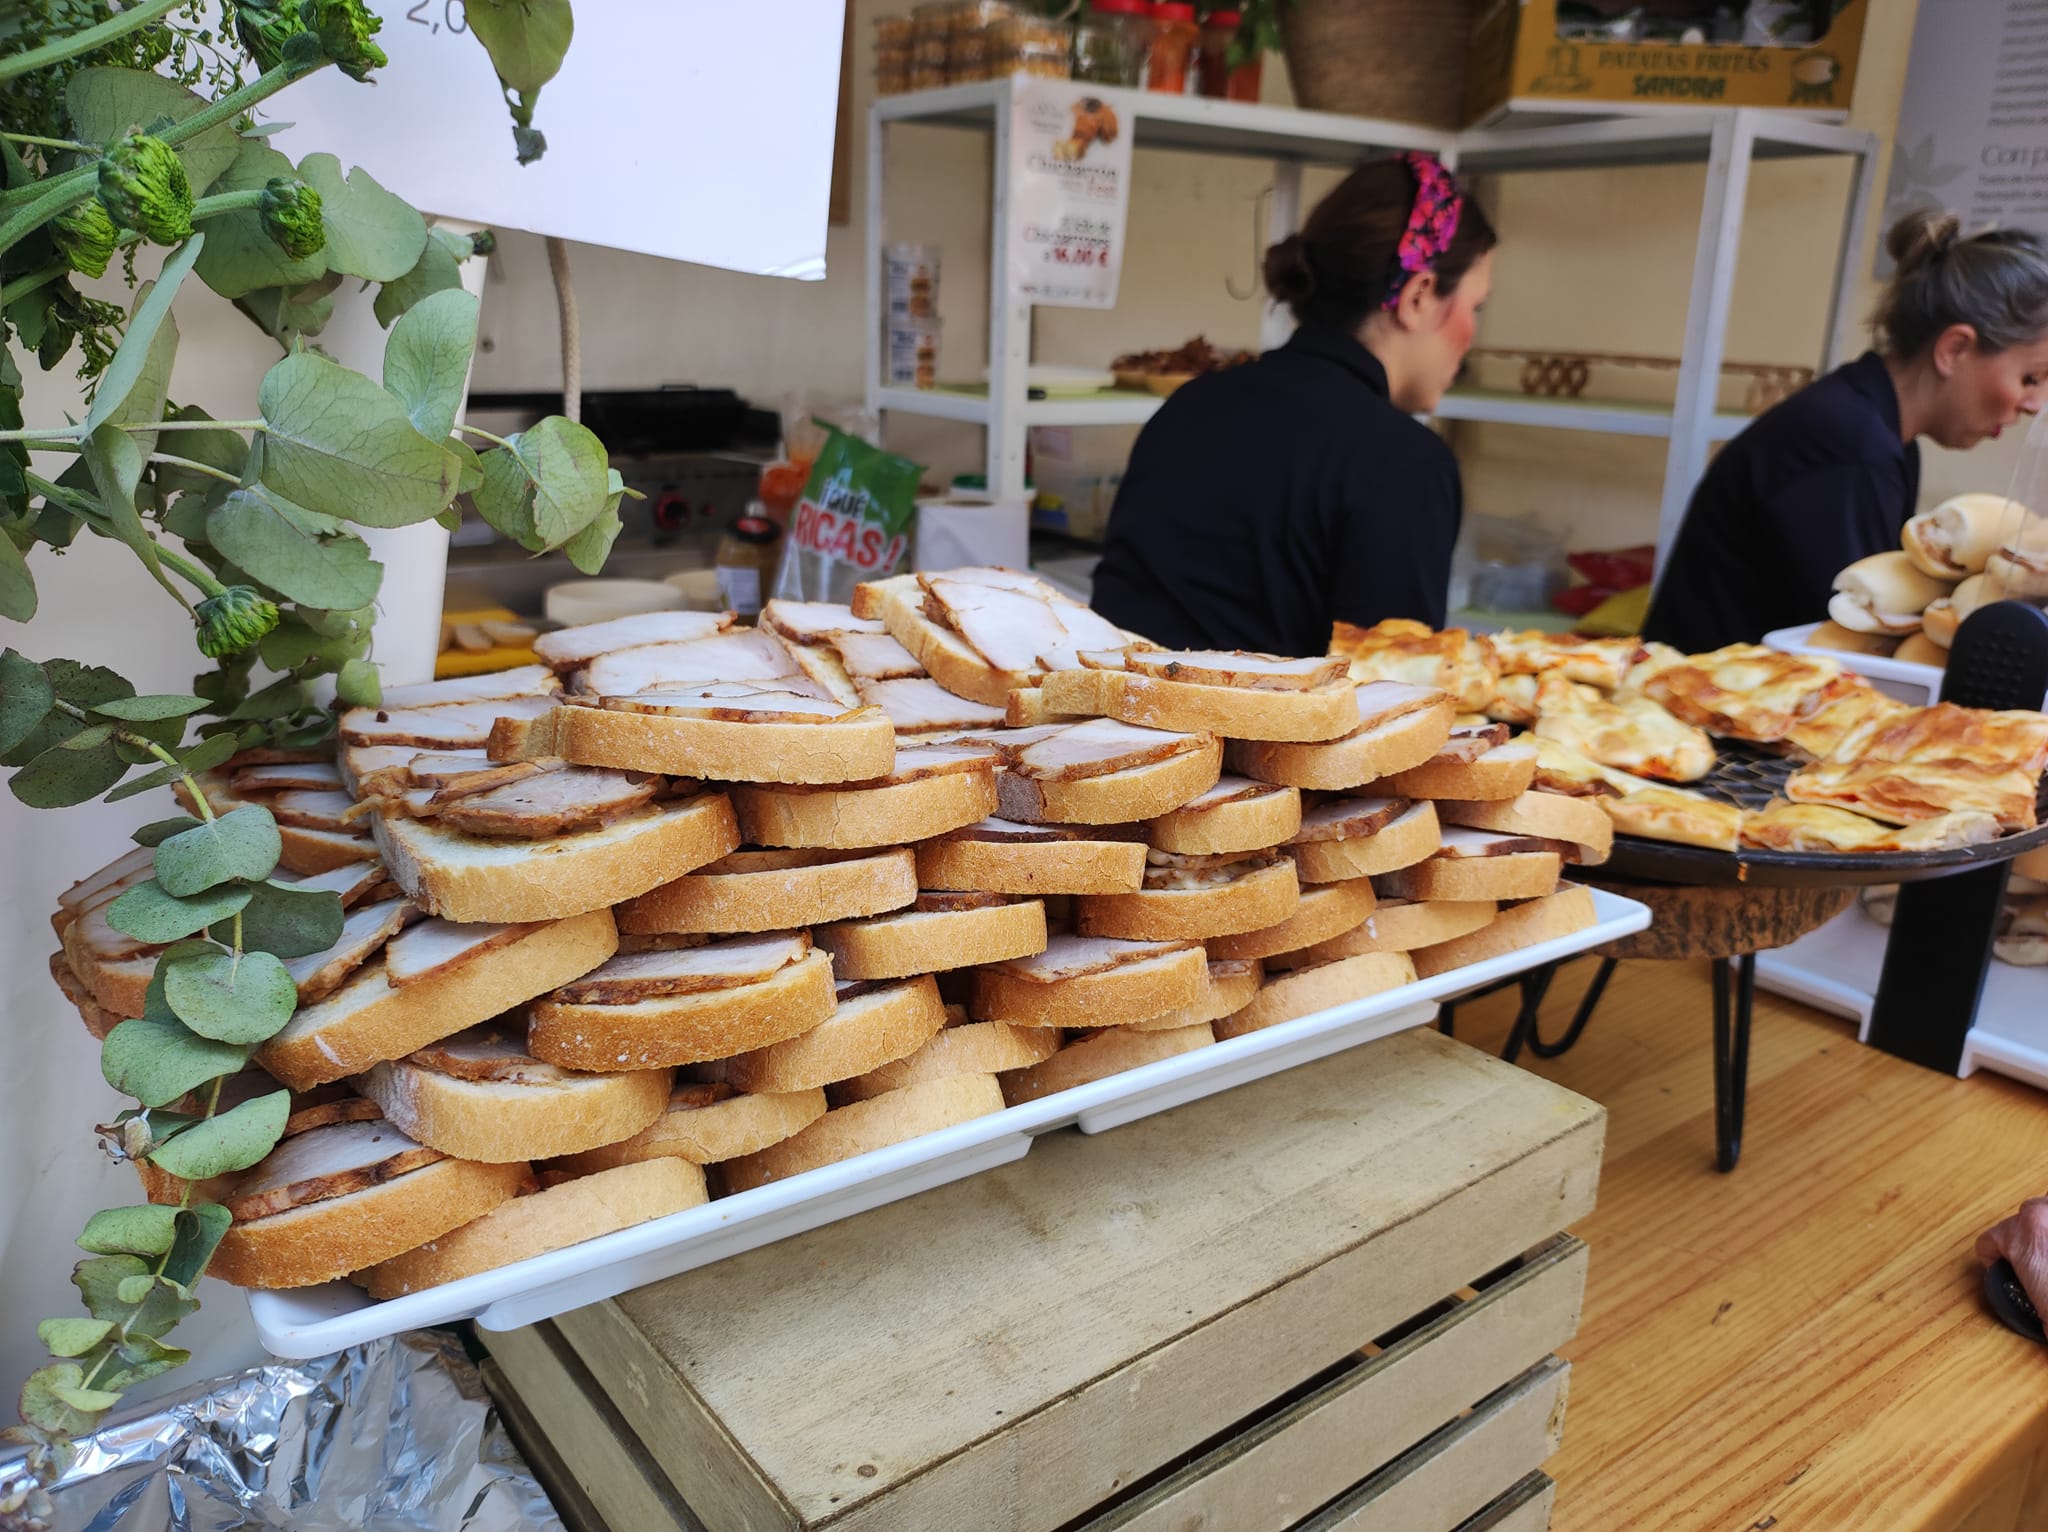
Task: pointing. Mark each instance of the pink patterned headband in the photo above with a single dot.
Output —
(1432, 223)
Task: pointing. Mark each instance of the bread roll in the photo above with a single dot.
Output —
(1832, 635)
(1959, 536)
(1884, 593)
(1919, 649)
(1941, 619)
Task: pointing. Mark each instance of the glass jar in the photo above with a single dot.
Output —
(1170, 66)
(746, 560)
(1032, 45)
(1219, 78)
(1111, 41)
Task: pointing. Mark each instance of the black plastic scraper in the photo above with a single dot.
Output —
(2009, 1301)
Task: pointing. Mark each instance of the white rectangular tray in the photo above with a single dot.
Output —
(308, 1322)
(1917, 684)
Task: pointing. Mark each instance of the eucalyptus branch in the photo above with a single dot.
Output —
(227, 202)
(469, 430)
(57, 50)
(60, 194)
(128, 737)
(21, 287)
(237, 102)
(198, 574)
(60, 436)
(190, 466)
(49, 143)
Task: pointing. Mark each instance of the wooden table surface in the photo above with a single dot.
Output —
(1799, 1345)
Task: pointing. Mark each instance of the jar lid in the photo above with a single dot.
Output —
(753, 529)
(1173, 10)
(1226, 18)
(1120, 7)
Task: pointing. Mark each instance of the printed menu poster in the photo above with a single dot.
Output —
(1973, 124)
(1070, 192)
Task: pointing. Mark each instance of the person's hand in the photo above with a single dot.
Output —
(2023, 1240)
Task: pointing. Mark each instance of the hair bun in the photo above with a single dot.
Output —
(1289, 276)
(1922, 237)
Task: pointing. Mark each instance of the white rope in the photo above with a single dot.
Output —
(572, 349)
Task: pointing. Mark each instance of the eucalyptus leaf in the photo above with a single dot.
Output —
(290, 314)
(242, 843)
(230, 1140)
(370, 233)
(472, 466)
(146, 1230)
(165, 733)
(148, 914)
(426, 360)
(290, 550)
(240, 255)
(159, 1060)
(204, 756)
(295, 643)
(136, 359)
(526, 39)
(151, 708)
(72, 1337)
(588, 549)
(17, 585)
(25, 698)
(105, 104)
(51, 1400)
(358, 684)
(199, 1231)
(291, 922)
(335, 442)
(99, 1282)
(133, 391)
(141, 1357)
(135, 1289)
(222, 449)
(158, 831)
(63, 776)
(230, 1001)
(435, 271)
(552, 483)
(83, 686)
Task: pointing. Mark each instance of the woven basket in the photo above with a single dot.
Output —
(1399, 59)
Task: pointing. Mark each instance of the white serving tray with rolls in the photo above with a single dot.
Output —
(315, 1321)
(1916, 684)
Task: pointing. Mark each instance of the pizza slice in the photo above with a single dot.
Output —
(1676, 815)
(1452, 661)
(1850, 705)
(1925, 762)
(1629, 732)
(1601, 662)
(1744, 691)
(1817, 827)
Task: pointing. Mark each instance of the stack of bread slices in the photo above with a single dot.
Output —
(691, 908)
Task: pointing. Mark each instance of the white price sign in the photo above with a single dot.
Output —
(1070, 188)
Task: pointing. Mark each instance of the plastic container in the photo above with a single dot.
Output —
(579, 601)
(894, 32)
(910, 283)
(1032, 45)
(746, 561)
(1219, 79)
(1170, 65)
(1111, 42)
(912, 355)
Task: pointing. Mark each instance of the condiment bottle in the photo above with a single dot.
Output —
(746, 561)
(1175, 39)
(1219, 78)
(1110, 42)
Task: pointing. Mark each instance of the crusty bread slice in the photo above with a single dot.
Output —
(1232, 983)
(1502, 772)
(1513, 875)
(1135, 990)
(1327, 910)
(570, 648)
(117, 978)
(97, 1021)
(968, 1048)
(686, 1028)
(855, 747)
(1002, 857)
(1118, 797)
(488, 686)
(1577, 822)
(1098, 1055)
(319, 1241)
(1263, 895)
(705, 1124)
(1026, 708)
(1237, 814)
(532, 1111)
(367, 1020)
(875, 1123)
(1411, 836)
(554, 1218)
(1401, 926)
(1523, 925)
(868, 1029)
(938, 936)
(1304, 991)
(948, 658)
(776, 890)
(855, 818)
(1236, 712)
(1377, 748)
(474, 878)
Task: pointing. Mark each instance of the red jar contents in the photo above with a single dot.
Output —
(1219, 79)
(1175, 40)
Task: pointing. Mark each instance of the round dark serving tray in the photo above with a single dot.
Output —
(1752, 778)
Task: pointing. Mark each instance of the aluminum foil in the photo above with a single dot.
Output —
(397, 1434)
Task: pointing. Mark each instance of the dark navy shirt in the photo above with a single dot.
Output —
(1264, 502)
(1815, 483)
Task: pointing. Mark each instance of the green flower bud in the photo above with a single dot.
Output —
(265, 26)
(84, 236)
(233, 620)
(143, 187)
(345, 28)
(291, 216)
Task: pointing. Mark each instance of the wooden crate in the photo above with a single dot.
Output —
(1324, 1299)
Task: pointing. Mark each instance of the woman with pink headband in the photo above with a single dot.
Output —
(1268, 501)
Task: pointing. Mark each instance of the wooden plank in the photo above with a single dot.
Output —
(1315, 1449)
(1802, 1340)
(567, 1496)
(1462, 1468)
(1203, 1262)
(588, 1434)
(1525, 1508)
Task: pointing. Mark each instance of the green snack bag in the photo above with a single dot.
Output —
(852, 522)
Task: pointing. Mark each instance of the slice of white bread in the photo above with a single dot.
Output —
(967, 1048)
(706, 1123)
(1000, 856)
(1403, 926)
(97, 1021)
(1235, 712)
(1237, 814)
(1098, 1055)
(1232, 983)
(1502, 772)
(477, 1096)
(856, 746)
(322, 1240)
(1568, 910)
(1400, 727)
(474, 878)
(489, 686)
(368, 1020)
(1090, 981)
(1512, 875)
(1579, 823)
(867, 1030)
(1116, 797)
(898, 603)
(684, 1028)
(1325, 911)
(1263, 894)
(774, 890)
(571, 648)
(856, 818)
(553, 1218)
(860, 1126)
(1304, 991)
(1396, 834)
(943, 932)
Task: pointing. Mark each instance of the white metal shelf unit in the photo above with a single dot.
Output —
(1728, 141)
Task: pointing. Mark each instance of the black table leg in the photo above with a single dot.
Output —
(1732, 1016)
(1535, 985)
(1584, 1014)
